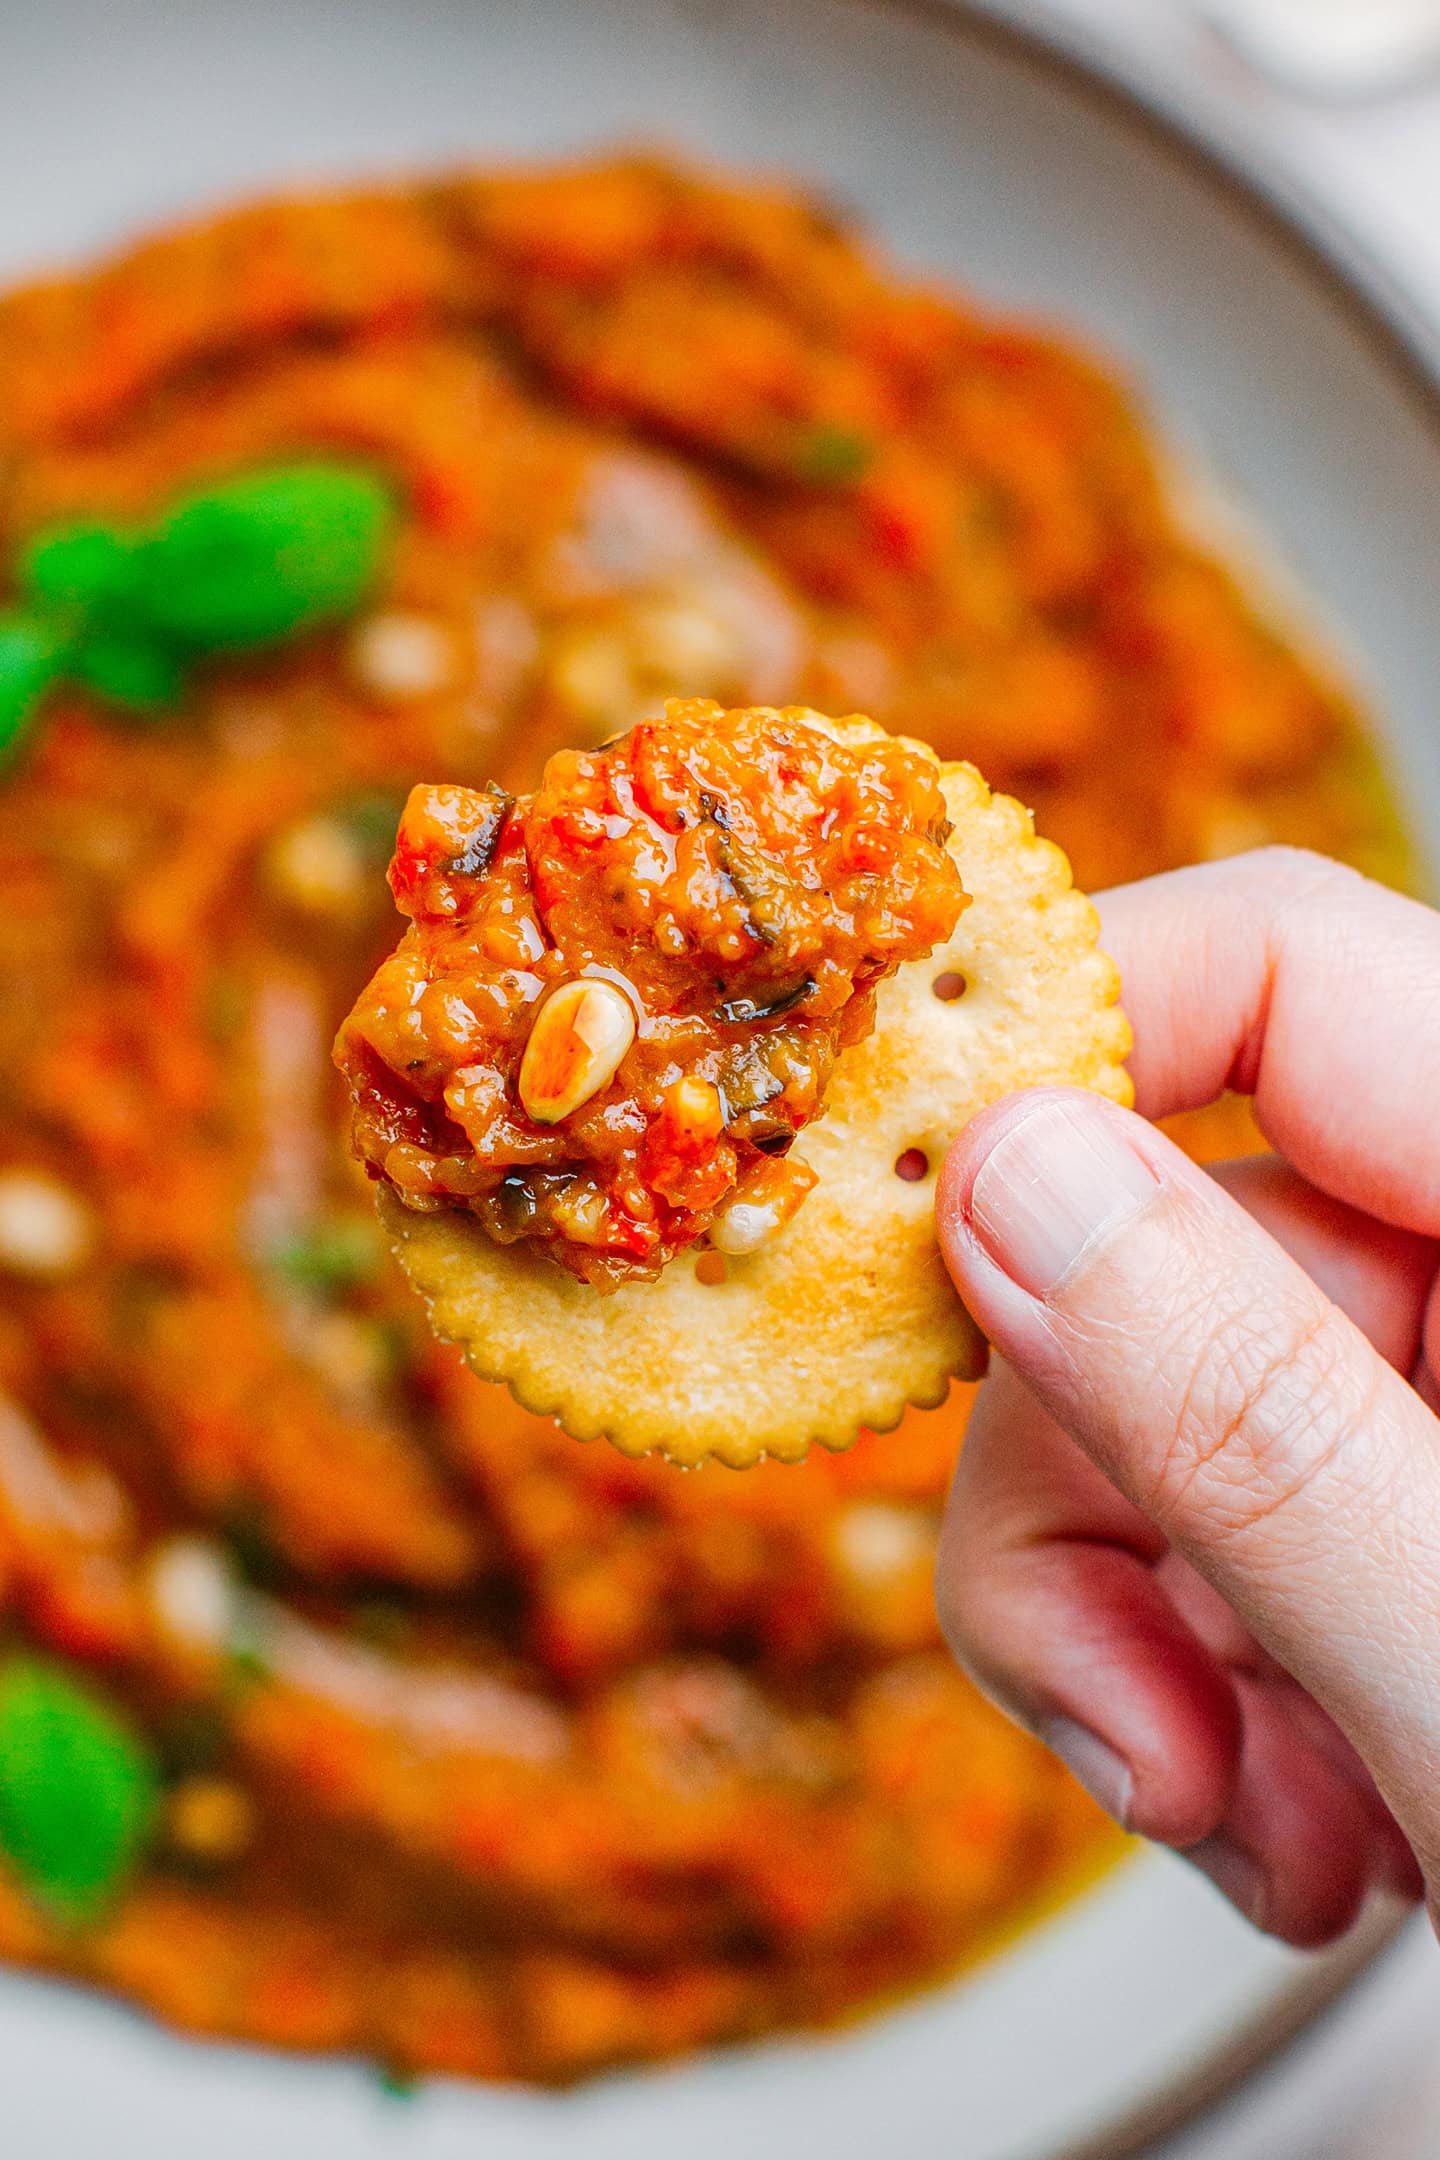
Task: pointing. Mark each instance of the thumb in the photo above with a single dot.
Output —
(1222, 1392)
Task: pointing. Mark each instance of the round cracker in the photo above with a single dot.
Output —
(848, 1315)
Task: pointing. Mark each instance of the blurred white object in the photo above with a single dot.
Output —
(1334, 48)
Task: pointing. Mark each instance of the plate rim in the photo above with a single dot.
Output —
(1194, 126)
(1188, 130)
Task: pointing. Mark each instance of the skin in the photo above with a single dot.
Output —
(1194, 1540)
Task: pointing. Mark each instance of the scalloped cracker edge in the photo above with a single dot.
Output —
(849, 1315)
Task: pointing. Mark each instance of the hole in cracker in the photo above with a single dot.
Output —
(913, 1165)
(949, 986)
(712, 1269)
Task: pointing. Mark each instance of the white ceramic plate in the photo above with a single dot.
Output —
(973, 153)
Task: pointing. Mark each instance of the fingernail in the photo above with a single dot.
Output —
(1234, 1872)
(1093, 1763)
(1054, 1183)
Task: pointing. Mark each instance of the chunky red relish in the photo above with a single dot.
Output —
(620, 998)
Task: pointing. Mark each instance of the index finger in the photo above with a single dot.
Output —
(1295, 980)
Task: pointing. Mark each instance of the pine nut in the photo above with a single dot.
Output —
(397, 657)
(581, 1033)
(760, 1207)
(875, 1541)
(315, 866)
(45, 1231)
(745, 1226)
(191, 1592)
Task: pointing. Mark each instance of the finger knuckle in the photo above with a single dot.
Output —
(1266, 1415)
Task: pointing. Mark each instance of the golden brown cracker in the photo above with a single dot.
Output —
(848, 1315)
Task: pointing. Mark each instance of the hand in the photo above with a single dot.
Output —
(1194, 1540)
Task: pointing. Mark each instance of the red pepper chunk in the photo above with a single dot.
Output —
(620, 999)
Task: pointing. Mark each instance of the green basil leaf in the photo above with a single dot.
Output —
(32, 654)
(265, 555)
(130, 668)
(78, 1789)
(83, 567)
